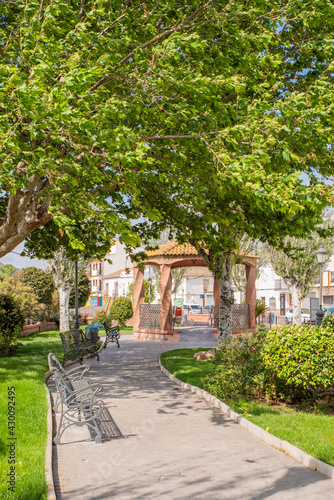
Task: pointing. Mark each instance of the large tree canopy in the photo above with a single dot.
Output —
(108, 110)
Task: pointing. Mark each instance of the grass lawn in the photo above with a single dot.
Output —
(127, 330)
(311, 431)
(25, 373)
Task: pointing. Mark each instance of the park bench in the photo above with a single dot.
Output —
(75, 375)
(76, 345)
(112, 334)
(78, 406)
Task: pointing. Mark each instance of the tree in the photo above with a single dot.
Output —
(107, 97)
(11, 323)
(6, 270)
(300, 269)
(83, 291)
(199, 117)
(249, 246)
(40, 281)
(62, 270)
(148, 298)
(121, 310)
(23, 294)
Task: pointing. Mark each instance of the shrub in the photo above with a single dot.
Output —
(11, 323)
(302, 357)
(239, 369)
(328, 322)
(260, 308)
(121, 310)
(100, 317)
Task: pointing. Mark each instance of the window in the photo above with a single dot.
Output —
(206, 285)
(328, 300)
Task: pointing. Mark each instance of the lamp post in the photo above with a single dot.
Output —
(149, 288)
(321, 256)
(76, 322)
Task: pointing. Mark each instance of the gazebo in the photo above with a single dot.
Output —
(154, 321)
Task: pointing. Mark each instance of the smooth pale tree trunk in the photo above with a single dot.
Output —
(221, 267)
(226, 300)
(296, 304)
(64, 306)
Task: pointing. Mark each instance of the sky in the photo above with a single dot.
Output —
(19, 262)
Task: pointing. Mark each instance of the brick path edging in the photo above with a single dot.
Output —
(284, 446)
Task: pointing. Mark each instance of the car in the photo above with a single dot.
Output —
(328, 310)
(192, 309)
(208, 309)
(305, 316)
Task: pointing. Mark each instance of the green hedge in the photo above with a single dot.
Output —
(302, 357)
(291, 363)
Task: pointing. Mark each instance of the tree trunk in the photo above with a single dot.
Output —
(64, 300)
(226, 300)
(296, 304)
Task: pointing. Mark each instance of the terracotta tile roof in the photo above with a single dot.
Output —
(118, 274)
(173, 248)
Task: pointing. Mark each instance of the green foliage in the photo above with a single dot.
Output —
(23, 294)
(148, 298)
(328, 322)
(102, 316)
(83, 291)
(298, 264)
(40, 281)
(302, 357)
(260, 308)
(11, 323)
(239, 369)
(100, 103)
(6, 270)
(121, 310)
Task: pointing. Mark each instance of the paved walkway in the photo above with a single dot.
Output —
(167, 443)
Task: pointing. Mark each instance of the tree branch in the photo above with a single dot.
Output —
(81, 11)
(104, 80)
(182, 136)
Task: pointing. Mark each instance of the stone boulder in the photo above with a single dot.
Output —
(204, 355)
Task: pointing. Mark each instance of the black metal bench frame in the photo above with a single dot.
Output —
(76, 346)
(112, 334)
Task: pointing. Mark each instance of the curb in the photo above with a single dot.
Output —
(51, 494)
(284, 446)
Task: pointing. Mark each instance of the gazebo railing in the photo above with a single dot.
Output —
(149, 316)
(240, 317)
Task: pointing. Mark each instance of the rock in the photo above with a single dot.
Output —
(204, 355)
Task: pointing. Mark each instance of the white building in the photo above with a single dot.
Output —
(272, 290)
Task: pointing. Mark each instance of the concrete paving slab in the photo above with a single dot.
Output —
(165, 442)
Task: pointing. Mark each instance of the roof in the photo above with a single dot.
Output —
(118, 274)
(172, 248)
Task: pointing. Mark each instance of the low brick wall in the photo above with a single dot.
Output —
(199, 318)
(42, 326)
